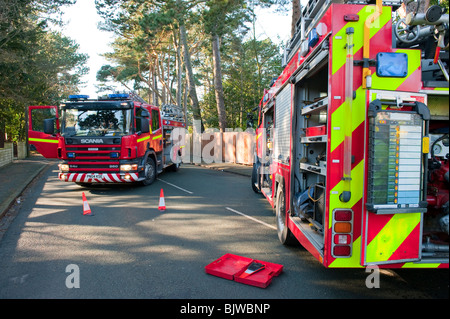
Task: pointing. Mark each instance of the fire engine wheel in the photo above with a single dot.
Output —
(284, 234)
(150, 171)
(255, 178)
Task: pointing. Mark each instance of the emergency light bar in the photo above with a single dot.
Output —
(119, 96)
(78, 97)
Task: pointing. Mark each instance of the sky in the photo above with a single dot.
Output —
(81, 25)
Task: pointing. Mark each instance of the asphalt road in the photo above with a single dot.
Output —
(129, 249)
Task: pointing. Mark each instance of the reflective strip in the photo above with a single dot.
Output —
(421, 265)
(356, 190)
(358, 37)
(337, 133)
(353, 261)
(143, 138)
(31, 139)
(106, 178)
(156, 137)
(392, 83)
(391, 236)
(258, 136)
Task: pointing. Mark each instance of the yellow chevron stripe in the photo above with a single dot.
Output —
(357, 193)
(390, 83)
(421, 265)
(353, 261)
(338, 47)
(356, 189)
(391, 237)
(32, 139)
(339, 117)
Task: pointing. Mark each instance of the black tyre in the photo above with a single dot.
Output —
(255, 179)
(284, 234)
(149, 171)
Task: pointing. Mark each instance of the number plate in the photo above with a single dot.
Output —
(94, 175)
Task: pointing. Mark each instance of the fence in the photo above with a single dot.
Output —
(12, 151)
(227, 147)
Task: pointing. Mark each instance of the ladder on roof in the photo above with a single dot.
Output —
(172, 112)
(311, 14)
(135, 97)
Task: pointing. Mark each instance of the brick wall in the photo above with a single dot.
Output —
(6, 154)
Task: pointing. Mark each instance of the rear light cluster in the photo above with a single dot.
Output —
(342, 233)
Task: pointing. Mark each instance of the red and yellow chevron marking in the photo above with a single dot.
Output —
(338, 120)
(387, 238)
(364, 12)
(393, 237)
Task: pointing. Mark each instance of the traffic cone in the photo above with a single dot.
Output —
(86, 209)
(162, 204)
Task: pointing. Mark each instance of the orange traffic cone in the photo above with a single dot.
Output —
(162, 204)
(86, 209)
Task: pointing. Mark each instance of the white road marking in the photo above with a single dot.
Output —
(184, 190)
(249, 217)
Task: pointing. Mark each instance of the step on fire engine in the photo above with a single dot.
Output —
(352, 143)
(118, 138)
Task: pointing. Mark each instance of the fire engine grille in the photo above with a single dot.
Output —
(92, 149)
(97, 167)
(97, 152)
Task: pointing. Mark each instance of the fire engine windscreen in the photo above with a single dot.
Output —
(101, 122)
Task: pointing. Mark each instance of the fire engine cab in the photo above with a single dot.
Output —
(118, 138)
(352, 144)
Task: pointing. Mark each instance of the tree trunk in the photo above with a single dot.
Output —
(218, 83)
(190, 76)
(295, 15)
(179, 67)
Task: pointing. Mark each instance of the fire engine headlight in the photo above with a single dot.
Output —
(128, 167)
(64, 167)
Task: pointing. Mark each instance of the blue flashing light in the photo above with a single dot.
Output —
(71, 155)
(391, 64)
(114, 155)
(78, 97)
(119, 96)
(313, 38)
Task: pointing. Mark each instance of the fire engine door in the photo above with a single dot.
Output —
(156, 142)
(45, 143)
(395, 204)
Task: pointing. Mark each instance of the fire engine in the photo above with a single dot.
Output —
(352, 142)
(118, 138)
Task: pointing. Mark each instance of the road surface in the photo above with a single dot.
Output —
(129, 249)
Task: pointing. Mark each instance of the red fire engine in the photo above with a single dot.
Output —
(352, 143)
(115, 139)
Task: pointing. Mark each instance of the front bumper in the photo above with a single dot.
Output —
(100, 177)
